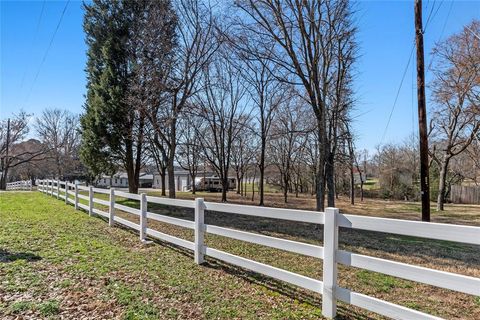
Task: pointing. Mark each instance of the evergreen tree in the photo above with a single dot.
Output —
(112, 129)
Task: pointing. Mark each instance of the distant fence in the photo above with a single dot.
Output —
(465, 194)
(20, 185)
(332, 220)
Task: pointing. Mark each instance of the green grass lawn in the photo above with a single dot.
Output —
(56, 262)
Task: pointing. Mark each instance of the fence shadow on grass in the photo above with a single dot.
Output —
(300, 295)
(295, 293)
(7, 256)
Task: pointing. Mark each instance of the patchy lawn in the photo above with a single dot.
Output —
(56, 262)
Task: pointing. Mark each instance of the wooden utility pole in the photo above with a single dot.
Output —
(4, 164)
(422, 114)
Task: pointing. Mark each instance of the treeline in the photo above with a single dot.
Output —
(52, 153)
(195, 82)
(261, 90)
(255, 85)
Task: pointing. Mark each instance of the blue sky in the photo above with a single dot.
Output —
(386, 34)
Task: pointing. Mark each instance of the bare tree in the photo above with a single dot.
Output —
(287, 140)
(190, 152)
(59, 131)
(158, 152)
(456, 92)
(222, 106)
(306, 37)
(197, 41)
(14, 151)
(244, 151)
(266, 93)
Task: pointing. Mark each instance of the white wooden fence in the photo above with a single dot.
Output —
(20, 185)
(332, 219)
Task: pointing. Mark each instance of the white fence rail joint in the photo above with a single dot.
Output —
(331, 255)
(76, 196)
(90, 201)
(111, 208)
(143, 217)
(199, 230)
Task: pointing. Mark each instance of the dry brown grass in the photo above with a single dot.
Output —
(439, 255)
(454, 213)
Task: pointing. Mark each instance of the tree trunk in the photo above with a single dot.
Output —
(162, 179)
(285, 187)
(132, 185)
(442, 184)
(361, 190)
(224, 187)
(330, 177)
(352, 186)
(130, 168)
(296, 186)
(3, 179)
(238, 181)
(171, 158)
(261, 167)
(253, 183)
(194, 188)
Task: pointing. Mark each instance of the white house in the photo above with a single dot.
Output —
(205, 180)
(183, 181)
(120, 180)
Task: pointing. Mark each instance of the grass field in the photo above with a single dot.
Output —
(454, 213)
(56, 262)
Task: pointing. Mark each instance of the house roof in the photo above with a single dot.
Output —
(124, 175)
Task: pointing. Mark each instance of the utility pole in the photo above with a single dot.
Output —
(3, 178)
(422, 114)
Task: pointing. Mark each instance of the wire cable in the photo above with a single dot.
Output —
(430, 16)
(429, 68)
(33, 42)
(398, 93)
(48, 49)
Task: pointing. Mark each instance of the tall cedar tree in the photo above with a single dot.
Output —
(123, 79)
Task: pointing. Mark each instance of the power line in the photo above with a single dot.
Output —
(48, 49)
(441, 34)
(398, 92)
(430, 17)
(33, 42)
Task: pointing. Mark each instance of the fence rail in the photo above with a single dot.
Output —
(20, 185)
(332, 220)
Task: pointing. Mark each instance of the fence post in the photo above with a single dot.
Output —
(51, 187)
(66, 192)
(330, 247)
(58, 189)
(143, 217)
(199, 230)
(76, 195)
(111, 208)
(90, 200)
